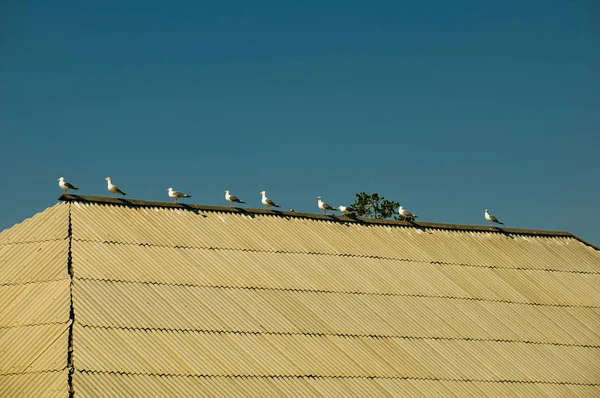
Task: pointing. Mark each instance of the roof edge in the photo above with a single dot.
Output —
(359, 220)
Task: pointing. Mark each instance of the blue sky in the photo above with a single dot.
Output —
(447, 107)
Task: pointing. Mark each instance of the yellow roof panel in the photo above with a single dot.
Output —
(162, 306)
(30, 349)
(33, 262)
(203, 229)
(51, 224)
(35, 303)
(301, 271)
(88, 385)
(40, 385)
(254, 354)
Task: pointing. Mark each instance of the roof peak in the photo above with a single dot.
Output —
(345, 219)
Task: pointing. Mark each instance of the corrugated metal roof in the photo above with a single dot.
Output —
(314, 272)
(88, 385)
(46, 384)
(33, 262)
(135, 305)
(230, 354)
(192, 300)
(33, 348)
(35, 304)
(51, 224)
(198, 292)
(272, 233)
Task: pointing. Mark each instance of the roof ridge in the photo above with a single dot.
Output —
(314, 216)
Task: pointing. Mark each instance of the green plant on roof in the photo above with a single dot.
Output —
(374, 206)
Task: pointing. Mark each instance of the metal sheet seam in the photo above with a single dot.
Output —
(322, 334)
(31, 241)
(371, 377)
(301, 290)
(33, 373)
(33, 282)
(70, 347)
(436, 262)
(33, 324)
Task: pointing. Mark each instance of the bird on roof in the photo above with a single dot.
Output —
(266, 201)
(491, 218)
(66, 185)
(407, 215)
(232, 199)
(347, 210)
(324, 206)
(177, 195)
(113, 188)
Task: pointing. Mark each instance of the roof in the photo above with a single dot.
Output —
(159, 299)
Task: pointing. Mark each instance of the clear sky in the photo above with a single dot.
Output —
(449, 107)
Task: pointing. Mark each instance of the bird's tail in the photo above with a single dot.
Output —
(187, 196)
(276, 205)
(241, 201)
(500, 222)
(75, 189)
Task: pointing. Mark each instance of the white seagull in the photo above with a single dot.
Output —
(232, 199)
(266, 201)
(406, 215)
(491, 218)
(113, 188)
(177, 195)
(324, 206)
(66, 185)
(347, 210)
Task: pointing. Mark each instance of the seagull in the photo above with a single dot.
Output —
(66, 185)
(266, 201)
(491, 218)
(113, 188)
(176, 195)
(324, 206)
(232, 199)
(407, 215)
(347, 210)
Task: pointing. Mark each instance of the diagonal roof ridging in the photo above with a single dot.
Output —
(112, 297)
(35, 304)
